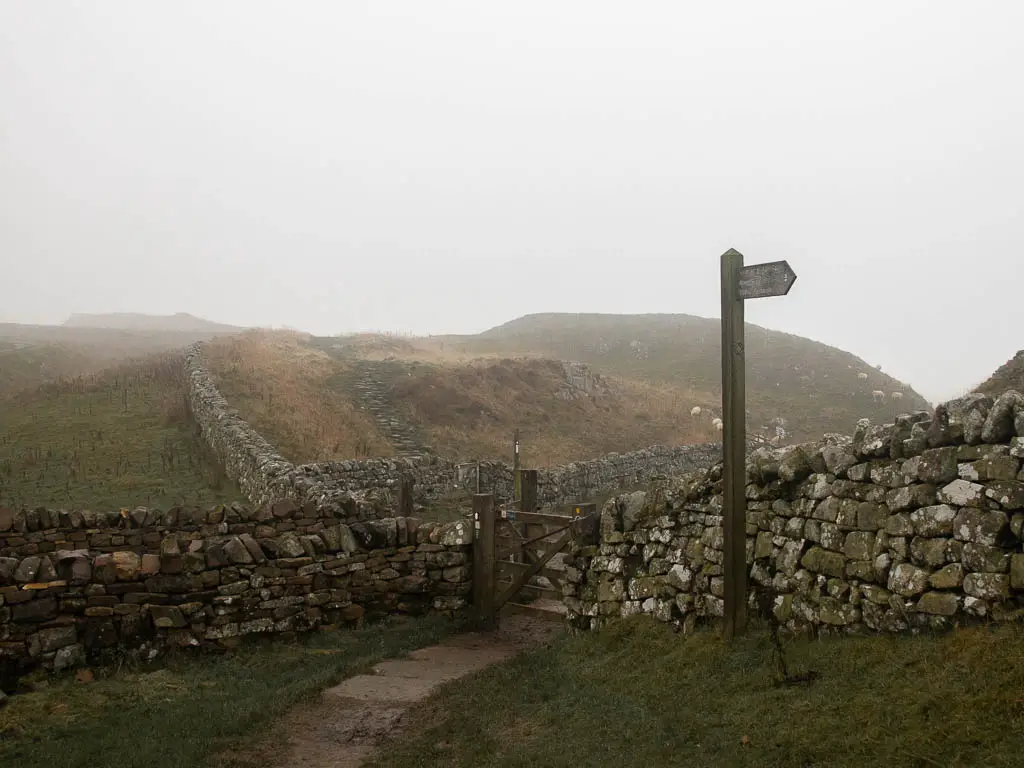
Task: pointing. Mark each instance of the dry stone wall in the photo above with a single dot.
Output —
(79, 587)
(360, 490)
(906, 526)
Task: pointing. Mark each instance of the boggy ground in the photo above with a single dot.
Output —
(346, 724)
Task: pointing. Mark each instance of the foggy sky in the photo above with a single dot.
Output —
(447, 166)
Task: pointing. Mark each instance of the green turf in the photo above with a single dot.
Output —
(192, 712)
(123, 438)
(638, 694)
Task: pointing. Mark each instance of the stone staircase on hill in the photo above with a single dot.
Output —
(370, 389)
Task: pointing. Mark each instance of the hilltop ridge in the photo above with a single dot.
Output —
(181, 322)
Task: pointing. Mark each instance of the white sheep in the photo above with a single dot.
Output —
(862, 375)
(878, 395)
(695, 411)
(897, 395)
(717, 424)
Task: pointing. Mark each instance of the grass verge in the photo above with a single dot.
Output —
(637, 694)
(190, 711)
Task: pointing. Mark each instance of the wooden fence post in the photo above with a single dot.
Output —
(405, 496)
(528, 490)
(484, 582)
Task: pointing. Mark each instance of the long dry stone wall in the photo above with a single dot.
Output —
(80, 587)
(906, 526)
(360, 490)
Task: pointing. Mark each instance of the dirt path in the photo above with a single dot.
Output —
(348, 722)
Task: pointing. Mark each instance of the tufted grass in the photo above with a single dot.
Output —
(192, 712)
(121, 437)
(638, 694)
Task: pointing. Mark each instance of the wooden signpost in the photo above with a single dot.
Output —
(738, 284)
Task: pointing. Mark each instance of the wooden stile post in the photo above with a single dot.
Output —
(484, 581)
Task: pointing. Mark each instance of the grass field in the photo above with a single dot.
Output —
(120, 438)
(192, 712)
(638, 694)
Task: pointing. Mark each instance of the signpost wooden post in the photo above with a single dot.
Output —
(738, 284)
(483, 559)
(517, 491)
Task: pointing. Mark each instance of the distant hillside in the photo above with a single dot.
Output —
(1010, 375)
(34, 354)
(813, 386)
(319, 399)
(182, 322)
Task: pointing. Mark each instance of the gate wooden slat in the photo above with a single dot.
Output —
(538, 517)
(554, 549)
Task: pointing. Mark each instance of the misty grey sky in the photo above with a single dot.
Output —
(447, 166)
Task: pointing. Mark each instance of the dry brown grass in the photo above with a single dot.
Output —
(296, 393)
(470, 412)
(283, 389)
(422, 349)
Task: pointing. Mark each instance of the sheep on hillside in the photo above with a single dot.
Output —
(695, 411)
(897, 395)
(878, 395)
(717, 424)
(862, 375)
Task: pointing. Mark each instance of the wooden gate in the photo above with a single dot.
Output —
(513, 547)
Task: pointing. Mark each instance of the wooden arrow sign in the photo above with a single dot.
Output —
(758, 281)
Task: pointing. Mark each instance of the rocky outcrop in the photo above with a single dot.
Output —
(911, 525)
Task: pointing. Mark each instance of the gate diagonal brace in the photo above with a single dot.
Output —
(534, 568)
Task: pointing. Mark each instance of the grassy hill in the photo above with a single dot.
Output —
(461, 396)
(813, 386)
(289, 392)
(1010, 375)
(303, 394)
(465, 395)
(470, 410)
